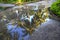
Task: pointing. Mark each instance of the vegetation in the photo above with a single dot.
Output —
(55, 8)
(16, 1)
(8, 1)
(58, 0)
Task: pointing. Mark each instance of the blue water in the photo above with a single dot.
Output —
(15, 29)
(18, 30)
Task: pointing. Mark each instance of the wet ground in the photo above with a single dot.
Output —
(14, 29)
(49, 30)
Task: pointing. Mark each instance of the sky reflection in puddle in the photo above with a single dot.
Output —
(14, 29)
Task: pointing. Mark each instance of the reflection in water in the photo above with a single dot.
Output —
(14, 29)
(22, 22)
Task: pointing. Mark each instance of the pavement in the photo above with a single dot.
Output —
(46, 3)
(6, 5)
